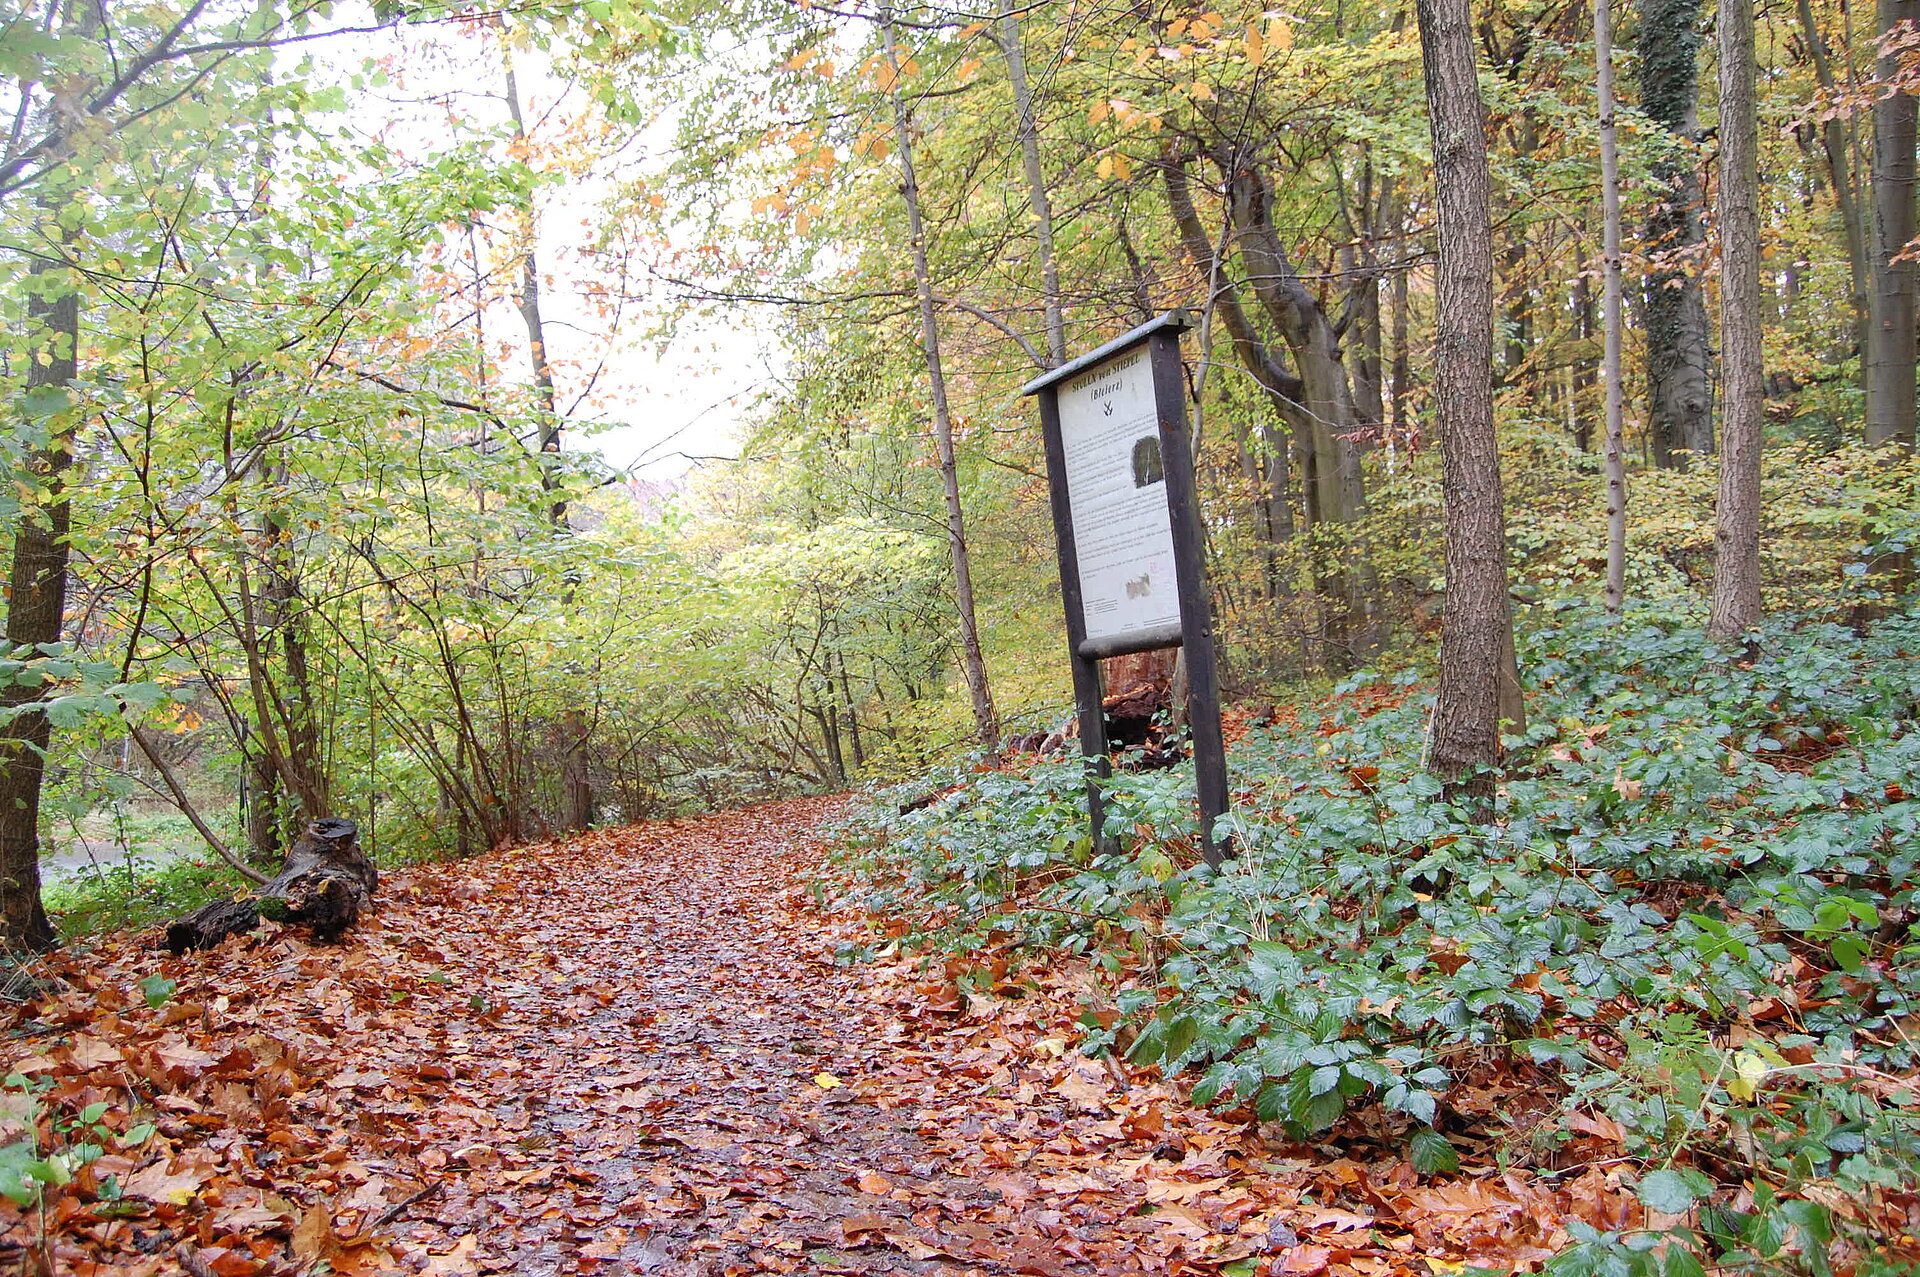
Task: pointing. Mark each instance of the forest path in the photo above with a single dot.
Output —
(686, 1083)
(631, 1052)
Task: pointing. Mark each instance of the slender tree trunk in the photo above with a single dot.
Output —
(1581, 398)
(1036, 179)
(526, 300)
(1610, 303)
(973, 662)
(1891, 328)
(1736, 537)
(1402, 358)
(1679, 389)
(1465, 742)
(1836, 142)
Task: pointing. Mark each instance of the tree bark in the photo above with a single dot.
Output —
(1889, 365)
(36, 597)
(1836, 141)
(1736, 537)
(973, 662)
(1616, 467)
(1037, 199)
(37, 579)
(1334, 485)
(1465, 742)
(1679, 389)
(526, 300)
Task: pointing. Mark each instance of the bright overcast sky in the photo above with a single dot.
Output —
(658, 411)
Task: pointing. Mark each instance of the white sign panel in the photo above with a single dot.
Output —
(1116, 487)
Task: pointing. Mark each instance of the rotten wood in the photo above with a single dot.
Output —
(326, 883)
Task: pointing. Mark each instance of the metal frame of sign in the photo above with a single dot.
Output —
(1194, 632)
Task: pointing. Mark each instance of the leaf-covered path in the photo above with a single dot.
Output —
(632, 1052)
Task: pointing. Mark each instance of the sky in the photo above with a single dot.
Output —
(659, 407)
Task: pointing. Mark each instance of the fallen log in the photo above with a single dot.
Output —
(325, 884)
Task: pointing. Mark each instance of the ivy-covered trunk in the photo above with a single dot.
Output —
(1679, 388)
(36, 592)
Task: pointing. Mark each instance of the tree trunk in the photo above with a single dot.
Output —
(1335, 489)
(1889, 364)
(527, 301)
(36, 595)
(973, 662)
(1679, 390)
(1036, 181)
(1836, 140)
(1611, 374)
(1465, 741)
(1736, 537)
(1398, 402)
(1583, 381)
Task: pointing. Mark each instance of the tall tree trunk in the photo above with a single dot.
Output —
(1581, 398)
(37, 579)
(1335, 489)
(1836, 141)
(37, 591)
(1611, 321)
(1890, 328)
(1465, 741)
(1036, 180)
(1736, 536)
(973, 662)
(1679, 389)
(526, 300)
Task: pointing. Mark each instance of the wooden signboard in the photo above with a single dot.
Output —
(1132, 571)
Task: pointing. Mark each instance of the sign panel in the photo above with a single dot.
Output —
(1116, 486)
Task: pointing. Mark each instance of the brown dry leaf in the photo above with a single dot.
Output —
(87, 1052)
(460, 1261)
(172, 1182)
(313, 1238)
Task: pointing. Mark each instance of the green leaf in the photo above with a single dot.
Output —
(1431, 1153)
(1673, 1192)
(1681, 1262)
(1850, 952)
(158, 990)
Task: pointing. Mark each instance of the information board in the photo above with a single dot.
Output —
(1116, 484)
(1132, 564)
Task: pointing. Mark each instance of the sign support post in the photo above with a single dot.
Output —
(1132, 548)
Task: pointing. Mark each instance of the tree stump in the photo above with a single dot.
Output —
(325, 884)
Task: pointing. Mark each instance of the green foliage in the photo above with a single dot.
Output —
(1686, 843)
(59, 1138)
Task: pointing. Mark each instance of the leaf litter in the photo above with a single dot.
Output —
(632, 1052)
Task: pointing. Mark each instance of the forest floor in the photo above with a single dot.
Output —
(634, 1052)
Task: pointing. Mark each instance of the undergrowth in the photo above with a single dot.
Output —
(1690, 927)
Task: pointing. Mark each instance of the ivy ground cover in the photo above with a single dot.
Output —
(1681, 956)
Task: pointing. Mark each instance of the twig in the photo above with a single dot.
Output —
(188, 810)
(392, 1213)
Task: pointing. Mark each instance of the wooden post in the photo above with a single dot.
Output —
(1196, 601)
(1087, 688)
